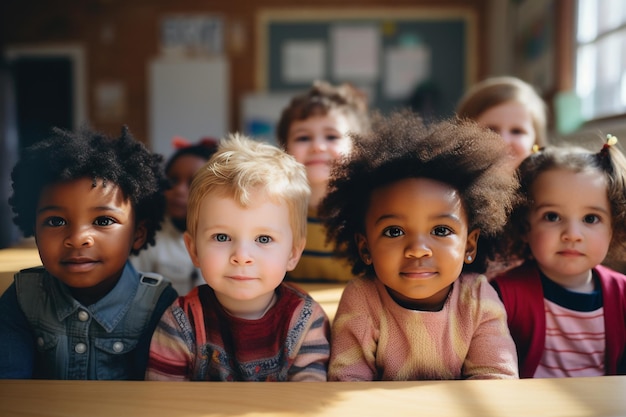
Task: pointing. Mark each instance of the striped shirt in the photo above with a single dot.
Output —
(575, 339)
(318, 262)
(198, 340)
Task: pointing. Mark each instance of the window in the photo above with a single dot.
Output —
(601, 58)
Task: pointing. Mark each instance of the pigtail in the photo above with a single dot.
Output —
(611, 159)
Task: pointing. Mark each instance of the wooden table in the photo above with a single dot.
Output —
(601, 396)
(14, 259)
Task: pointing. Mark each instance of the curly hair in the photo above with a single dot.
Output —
(459, 153)
(608, 162)
(66, 156)
(242, 165)
(204, 149)
(321, 99)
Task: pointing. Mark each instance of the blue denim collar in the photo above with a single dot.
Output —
(107, 311)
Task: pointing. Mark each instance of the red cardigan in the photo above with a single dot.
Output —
(522, 294)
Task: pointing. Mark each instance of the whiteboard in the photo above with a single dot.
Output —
(188, 98)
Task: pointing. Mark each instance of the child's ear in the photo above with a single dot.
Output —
(141, 234)
(296, 253)
(364, 251)
(471, 246)
(190, 243)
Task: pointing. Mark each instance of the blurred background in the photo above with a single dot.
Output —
(205, 68)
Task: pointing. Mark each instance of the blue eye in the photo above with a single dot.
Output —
(264, 239)
(221, 237)
(393, 231)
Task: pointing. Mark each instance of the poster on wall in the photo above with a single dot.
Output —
(356, 52)
(192, 35)
(405, 68)
(303, 61)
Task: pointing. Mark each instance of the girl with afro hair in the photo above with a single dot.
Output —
(406, 209)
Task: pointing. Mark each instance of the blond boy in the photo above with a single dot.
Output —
(246, 228)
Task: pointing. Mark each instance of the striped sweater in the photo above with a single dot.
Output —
(374, 338)
(318, 262)
(197, 340)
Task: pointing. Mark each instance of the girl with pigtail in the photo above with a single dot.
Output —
(566, 311)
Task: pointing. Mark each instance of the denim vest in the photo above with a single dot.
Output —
(95, 342)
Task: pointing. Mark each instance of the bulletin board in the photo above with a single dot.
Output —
(423, 58)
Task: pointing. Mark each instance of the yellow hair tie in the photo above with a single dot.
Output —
(611, 140)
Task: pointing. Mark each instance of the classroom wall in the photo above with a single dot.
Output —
(120, 38)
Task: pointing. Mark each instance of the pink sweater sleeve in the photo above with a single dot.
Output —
(355, 335)
(492, 353)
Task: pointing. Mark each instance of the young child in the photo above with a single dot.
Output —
(90, 201)
(407, 208)
(169, 256)
(567, 313)
(511, 108)
(314, 128)
(246, 227)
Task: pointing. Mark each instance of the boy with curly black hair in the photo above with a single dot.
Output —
(90, 201)
(406, 209)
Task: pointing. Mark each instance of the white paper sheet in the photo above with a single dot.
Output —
(303, 61)
(356, 52)
(405, 68)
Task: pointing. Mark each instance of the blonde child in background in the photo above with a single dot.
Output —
(315, 128)
(566, 312)
(169, 257)
(246, 227)
(511, 108)
(407, 208)
(514, 110)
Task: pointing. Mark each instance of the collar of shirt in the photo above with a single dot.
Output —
(109, 310)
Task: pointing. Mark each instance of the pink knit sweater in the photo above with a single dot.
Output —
(373, 338)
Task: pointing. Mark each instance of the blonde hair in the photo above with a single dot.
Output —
(241, 166)
(494, 91)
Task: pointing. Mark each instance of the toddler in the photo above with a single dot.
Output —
(566, 312)
(511, 108)
(246, 226)
(407, 209)
(315, 128)
(169, 257)
(90, 201)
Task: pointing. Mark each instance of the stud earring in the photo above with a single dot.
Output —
(469, 258)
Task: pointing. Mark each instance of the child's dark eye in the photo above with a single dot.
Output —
(264, 239)
(333, 137)
(104, 221)
(551, 217)
(442, 231)
(591, 219)
(55, 221)
(303, 138)
(221, 237)
(393, 231)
